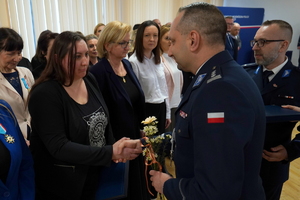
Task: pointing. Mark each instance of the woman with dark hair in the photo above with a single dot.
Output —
(41, 56)
(15, 81)
(16, 165)
(146, 64)
(71, 134)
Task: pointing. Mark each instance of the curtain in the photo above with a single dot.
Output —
(20, 16)
(31, 17)
(63, 15)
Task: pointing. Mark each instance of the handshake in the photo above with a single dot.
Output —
(126, 149)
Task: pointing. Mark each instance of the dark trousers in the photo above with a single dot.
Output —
(172, 125)
(158, 111)
(272, 192)
(299, 60)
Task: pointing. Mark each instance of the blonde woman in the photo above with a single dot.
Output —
(123, 95)
(98, 28)
(172, 73)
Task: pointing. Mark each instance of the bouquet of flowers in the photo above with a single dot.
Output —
(153, 145)
(154, 149)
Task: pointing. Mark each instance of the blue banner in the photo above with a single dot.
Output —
(250, 20)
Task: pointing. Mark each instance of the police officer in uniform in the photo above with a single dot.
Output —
(220, 121)
(278, 81)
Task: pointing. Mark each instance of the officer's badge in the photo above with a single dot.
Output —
(199, 79)
(9, 139)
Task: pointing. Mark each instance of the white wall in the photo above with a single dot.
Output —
(288, 10)
(4, 17)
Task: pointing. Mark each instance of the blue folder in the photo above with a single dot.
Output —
(279, 114)
(113, 182)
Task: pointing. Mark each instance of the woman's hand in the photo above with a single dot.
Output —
(168, 122)
(126, 149)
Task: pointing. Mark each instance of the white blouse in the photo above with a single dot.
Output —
(176, 78)
(152, 79)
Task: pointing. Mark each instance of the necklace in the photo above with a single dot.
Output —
(119, 71)
(123, 77)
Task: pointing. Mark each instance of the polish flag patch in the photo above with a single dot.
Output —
(215, 117)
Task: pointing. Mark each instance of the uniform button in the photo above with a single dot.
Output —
(25, 120)
(179, 131)
(6, 194)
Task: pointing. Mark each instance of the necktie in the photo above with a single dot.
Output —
(265, 76)
(229, 39)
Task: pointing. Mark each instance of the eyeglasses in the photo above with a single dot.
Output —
(261, 42)
(125, 44)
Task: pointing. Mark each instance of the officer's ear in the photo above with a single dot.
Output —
(284, 46)
(194, 40)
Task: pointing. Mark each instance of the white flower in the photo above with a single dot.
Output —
(149, 120)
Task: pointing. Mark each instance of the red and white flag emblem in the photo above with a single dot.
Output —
(215, 117)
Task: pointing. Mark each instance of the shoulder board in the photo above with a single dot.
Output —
(249, 65)
(215, 74)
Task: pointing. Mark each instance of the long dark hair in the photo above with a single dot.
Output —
(63, 45)
(139, 48)
(43, 43)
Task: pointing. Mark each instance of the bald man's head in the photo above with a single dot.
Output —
(235, 30)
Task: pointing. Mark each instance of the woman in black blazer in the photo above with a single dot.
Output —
(123, 95)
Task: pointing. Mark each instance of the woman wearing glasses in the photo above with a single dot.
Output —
(123, 95)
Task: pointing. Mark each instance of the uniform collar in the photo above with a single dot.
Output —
(276, 69)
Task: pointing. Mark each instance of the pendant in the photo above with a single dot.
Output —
(9, 139)
(124, 80)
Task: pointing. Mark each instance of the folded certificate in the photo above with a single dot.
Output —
(279, 114)
(113, 182)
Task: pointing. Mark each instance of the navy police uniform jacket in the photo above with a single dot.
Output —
(231, 45)
(283, 89)
(219, 133)
(19, 184)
